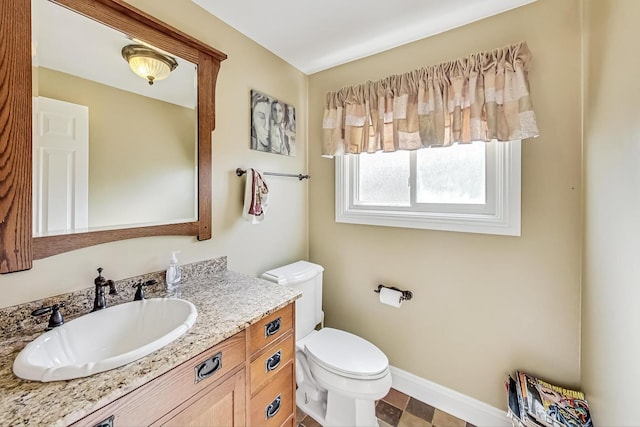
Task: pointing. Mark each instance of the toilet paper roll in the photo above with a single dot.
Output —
(391, 297)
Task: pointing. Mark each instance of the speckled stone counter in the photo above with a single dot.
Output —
(227, 302)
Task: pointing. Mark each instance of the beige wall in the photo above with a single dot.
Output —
(142, 152)
(251, 249)
(483, 305)
(611, 284)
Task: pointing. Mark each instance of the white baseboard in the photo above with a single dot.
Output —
(457, 404)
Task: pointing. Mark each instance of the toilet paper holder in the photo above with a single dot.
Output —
(406, 295)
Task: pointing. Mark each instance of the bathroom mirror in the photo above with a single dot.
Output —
(109, 150)
(18, 247)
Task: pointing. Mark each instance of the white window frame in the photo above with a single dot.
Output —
(500, 215)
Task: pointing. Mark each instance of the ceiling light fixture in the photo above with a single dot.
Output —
(148, 63)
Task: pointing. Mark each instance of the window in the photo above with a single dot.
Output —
(466, 187)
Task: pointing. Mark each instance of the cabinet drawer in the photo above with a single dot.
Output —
(149, 402)
(275, 403)
(269, 329)
(270, 362)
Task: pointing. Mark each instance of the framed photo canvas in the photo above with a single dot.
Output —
(273, 125)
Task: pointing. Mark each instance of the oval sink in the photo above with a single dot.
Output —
(104, 339)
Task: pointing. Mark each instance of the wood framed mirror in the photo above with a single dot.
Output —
(18, 247)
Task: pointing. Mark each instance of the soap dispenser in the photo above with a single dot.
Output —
(173, 276)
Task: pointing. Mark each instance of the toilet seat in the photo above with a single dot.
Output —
(346, 355)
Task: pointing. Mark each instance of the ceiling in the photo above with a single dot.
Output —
(310, 36)
(315, 36)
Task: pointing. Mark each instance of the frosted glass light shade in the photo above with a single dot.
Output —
(148, 63)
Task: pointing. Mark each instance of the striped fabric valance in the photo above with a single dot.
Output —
(482, 97)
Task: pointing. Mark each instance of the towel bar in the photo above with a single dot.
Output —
(240, 172)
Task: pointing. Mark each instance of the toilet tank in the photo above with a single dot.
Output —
(306, 277)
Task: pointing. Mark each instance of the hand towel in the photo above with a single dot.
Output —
(256, 195)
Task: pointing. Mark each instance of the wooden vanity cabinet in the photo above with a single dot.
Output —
(271, 372)
(217, 373)
(247, 379)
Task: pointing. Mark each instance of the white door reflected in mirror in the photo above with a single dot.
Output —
(60, 167)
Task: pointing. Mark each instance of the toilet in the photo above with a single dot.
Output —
(339, 375)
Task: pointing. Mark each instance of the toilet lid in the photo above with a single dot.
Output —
(346, 354)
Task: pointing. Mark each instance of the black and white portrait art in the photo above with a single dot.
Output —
(273, 125)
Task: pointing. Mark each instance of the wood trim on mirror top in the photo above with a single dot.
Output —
(18, 247)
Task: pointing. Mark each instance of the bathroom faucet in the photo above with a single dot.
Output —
(139, 291)
(56, 316)
(100, 301)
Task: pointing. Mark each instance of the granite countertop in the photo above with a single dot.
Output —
(227, 302)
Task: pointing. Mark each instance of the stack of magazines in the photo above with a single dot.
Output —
(533, 402)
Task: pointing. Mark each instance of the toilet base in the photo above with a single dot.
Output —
(338, 410)
(346, 411)
(316, 409)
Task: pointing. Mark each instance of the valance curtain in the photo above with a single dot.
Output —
(482, 97)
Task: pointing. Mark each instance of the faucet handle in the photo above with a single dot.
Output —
(56, 316)
(140, 292)
(100, 280)
(112, 287)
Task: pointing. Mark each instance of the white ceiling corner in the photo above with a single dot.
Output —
(316, 36)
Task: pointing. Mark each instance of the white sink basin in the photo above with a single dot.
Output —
(104, 339)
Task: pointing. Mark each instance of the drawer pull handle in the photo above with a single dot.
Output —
(272, 328)
(107, 422)
(274, 361)
(208, 367)
(272, 408)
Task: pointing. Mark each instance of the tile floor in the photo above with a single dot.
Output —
(397, 409)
